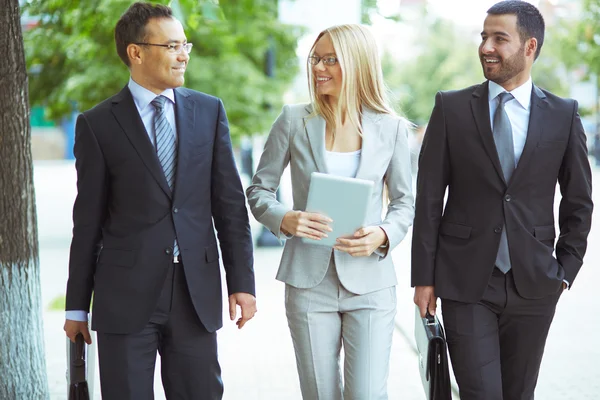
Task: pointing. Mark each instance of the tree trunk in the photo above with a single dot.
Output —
(22, 356)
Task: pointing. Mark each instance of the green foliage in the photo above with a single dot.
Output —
(367, 8)
(580, 47)
(580, 42)
(548, 71)
(447, 59)
(447, 64)
(73, 49)
(57, 304)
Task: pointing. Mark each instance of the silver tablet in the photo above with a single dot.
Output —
(344, 200)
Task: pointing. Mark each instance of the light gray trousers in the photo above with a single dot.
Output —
(324, 318)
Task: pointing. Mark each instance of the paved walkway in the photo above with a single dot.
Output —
(258, 361)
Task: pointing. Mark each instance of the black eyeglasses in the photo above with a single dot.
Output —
(327, 60)
(171, 48)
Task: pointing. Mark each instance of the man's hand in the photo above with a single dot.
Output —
(72, 328)
(306, 224)
(425, 299)
(247, 303)
(364, 243)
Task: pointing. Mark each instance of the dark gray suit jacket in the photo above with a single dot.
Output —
(455, 244)
(126, 218)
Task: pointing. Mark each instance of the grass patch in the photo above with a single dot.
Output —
(57, 304)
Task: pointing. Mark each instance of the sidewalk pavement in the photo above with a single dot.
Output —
(258, 361)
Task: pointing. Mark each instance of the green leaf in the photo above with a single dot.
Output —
(72, 59)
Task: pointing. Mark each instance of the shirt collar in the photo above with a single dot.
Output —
(522, 94)
(143, 97)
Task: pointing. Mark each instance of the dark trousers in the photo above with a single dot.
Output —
(190, 368)
(496, 345)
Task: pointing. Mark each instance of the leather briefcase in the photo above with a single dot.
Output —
(433, 357)
(81, 360)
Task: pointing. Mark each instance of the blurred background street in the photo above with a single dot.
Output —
(258, 361)
(252, 55)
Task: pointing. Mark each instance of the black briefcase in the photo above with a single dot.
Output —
(433, 357)
(77, 369)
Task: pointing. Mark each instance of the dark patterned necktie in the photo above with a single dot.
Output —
(166, 147)
(506, 153)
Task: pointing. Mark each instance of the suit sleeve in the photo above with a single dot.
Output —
(262, 192)
(229, 212)
(575, 211)
(398, 178)
(432, 180)
(89, 212)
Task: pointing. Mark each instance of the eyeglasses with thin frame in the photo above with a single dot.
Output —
(172, 47)
(327, 60)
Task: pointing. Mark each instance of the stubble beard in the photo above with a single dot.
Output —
(508, 68)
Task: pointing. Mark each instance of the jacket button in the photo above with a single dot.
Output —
(175, 210)
(168, 251)
(498, 229)
(508, 197)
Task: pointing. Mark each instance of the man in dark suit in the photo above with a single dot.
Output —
(499, 149)
(155, 168)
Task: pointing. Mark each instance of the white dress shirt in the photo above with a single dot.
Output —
(142, 98)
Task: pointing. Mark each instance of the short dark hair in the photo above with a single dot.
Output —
(131, 27)
(530, 22)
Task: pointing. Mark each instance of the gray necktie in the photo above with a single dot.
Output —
(166, 148)
(506, 153)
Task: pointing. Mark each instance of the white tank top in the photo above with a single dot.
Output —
(343, 164)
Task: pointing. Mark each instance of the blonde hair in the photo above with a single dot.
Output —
(362, 78)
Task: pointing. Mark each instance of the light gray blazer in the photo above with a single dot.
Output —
(299, 140)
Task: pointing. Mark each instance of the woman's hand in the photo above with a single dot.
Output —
(364, 243)
(306, 224)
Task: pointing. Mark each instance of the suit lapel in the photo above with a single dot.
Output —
(370, 126)
(481, 112)
(185, 121)
(128, 117)
(537, 116)
(315, 129)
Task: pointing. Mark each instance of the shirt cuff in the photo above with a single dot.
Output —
(567, 282)
(77, 315)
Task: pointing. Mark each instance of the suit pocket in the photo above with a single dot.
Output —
(545, 234)
(551, 144)
(116, 257)
(455, 230)
(211, 253)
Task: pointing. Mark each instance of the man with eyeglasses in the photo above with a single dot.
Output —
(155, 168)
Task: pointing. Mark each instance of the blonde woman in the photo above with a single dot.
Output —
(343, 295)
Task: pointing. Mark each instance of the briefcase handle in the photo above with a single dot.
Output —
(79, 350)
(78, 361)
(430, 318)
